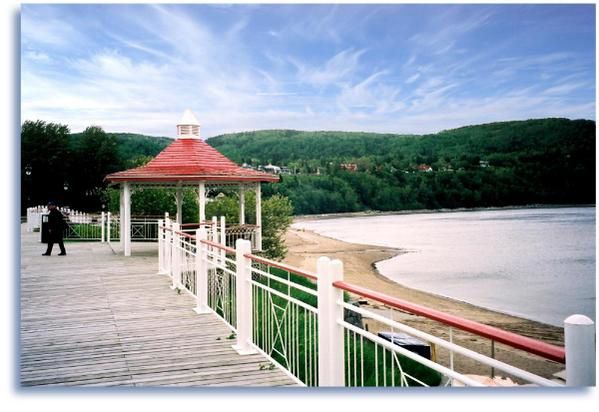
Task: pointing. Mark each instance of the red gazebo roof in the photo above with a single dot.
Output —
(190, 160)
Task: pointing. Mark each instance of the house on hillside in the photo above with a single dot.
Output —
(272, 169)
(351, 167)
(424, 168)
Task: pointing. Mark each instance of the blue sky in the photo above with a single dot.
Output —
(380, 68)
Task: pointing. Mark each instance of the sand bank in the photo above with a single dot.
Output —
(305, 247)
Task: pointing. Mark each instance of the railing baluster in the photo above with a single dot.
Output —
(175, 258)
(492, 357)
(201, 269)
(451, 351)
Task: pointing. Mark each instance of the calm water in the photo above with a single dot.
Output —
(534, 263)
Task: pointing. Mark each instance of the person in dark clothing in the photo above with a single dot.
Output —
(56, 227)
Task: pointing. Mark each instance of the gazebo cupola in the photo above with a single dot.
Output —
(188, 127)
(189, 162)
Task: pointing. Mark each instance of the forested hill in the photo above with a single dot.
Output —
(287, 146)
(546, 161)
(133, 149)
(507, 163)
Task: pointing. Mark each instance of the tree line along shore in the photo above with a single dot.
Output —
(539, 161)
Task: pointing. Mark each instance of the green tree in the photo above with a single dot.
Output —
(277, 214)
(45, 159)
(276, 217)
(95, 156)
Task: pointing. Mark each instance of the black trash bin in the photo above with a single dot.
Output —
(44, 228)
(408, 342)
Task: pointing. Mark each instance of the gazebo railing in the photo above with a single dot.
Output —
(246, 232)
(105, 227)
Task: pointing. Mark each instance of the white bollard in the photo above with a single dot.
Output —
(243, 278)
(579, 339)
(201, 268)
(331, 367)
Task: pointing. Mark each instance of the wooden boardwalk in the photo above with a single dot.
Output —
(96, 318)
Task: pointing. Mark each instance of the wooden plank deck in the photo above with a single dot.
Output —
(96, 318)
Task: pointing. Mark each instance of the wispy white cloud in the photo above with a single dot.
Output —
(370, 94)
(336, 69)
(563, 88)
(237, 74)
(50, 31)
(36, 56)
(413, 78)
(447, 29)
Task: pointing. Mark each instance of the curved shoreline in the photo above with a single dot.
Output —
(458, 301)
(305, 247)
(368, 213)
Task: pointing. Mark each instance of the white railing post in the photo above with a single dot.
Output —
(201, 267)
(39, 222)
(243, 276)
(108, 224)
(102, 228)
(223, 239)
(214, 229)
(176, 257)
(579, 339)
(258, 217)
(331, 366)
(160, 246)
(167, 247)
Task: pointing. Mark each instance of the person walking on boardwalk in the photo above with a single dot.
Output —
(56, 226)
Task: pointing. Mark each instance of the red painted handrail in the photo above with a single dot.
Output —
(205, 223)
(534, 346)
(187, 235)
(288, 268)
(219, 246)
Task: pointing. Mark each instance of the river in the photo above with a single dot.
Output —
(538, 264)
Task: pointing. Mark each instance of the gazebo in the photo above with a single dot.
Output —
(189, 162)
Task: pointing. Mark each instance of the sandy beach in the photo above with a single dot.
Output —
(305, 247)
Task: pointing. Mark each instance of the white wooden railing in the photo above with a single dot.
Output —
(299, 320)
(105, 227)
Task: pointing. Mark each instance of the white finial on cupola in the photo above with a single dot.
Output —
(188, 127)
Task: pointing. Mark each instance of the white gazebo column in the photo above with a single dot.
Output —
(202, 201)
(179, 200)
(258, 216)
(241, 204)
(122, 217)
(127, 218)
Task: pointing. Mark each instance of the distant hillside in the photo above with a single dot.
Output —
(286, 146)
(541, 161)
(496, 164)
(133, 148)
